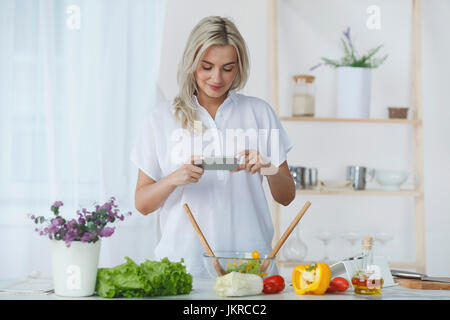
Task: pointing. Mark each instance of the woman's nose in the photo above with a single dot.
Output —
(217, 76)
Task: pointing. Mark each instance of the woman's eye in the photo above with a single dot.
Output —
(224, 69)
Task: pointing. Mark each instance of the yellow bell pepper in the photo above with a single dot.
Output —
(313, 279)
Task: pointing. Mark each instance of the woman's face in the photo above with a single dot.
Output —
(216, 70)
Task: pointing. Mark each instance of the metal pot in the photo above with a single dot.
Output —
(304, 178)
(357, 176)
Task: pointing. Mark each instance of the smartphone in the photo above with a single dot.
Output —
(220, 163)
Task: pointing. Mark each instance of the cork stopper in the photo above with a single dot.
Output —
(367, 243)
(307, 78)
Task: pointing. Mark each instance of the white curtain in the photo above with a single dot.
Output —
(76, 79)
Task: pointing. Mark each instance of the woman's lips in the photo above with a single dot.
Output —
(214, 87)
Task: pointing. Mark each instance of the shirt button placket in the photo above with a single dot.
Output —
(218, 118)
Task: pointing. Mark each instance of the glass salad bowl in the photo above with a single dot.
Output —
(239, 261)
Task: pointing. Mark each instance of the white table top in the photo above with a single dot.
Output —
(203, 290)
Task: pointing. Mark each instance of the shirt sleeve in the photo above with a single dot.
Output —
(279, 143)
(144, 153)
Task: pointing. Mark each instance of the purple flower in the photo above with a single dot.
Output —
(58, 204)
(57, 221)
(106, 232)
(106, 206)
(53, 228)
(86, 237)
(347, 36)
(75, 229)
(315, 67)
(72, 223)
(70, 236)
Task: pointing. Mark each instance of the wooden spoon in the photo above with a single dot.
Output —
(215, 261)
(286, 234)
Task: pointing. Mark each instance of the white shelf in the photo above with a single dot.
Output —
(367, 192)
(314, 119)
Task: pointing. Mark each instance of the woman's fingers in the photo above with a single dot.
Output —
(190, 172)
(252, 161)
(190, 176)
(194, 168)
(195, 160)
(249, 166)
(255, 168)
(195, 175)
(242, 153)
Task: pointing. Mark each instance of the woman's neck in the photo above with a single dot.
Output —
(211, 104)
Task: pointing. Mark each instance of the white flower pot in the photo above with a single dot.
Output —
(353, 92)
(74, 268)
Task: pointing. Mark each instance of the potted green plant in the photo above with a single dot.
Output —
(354, 78)
(75, 245)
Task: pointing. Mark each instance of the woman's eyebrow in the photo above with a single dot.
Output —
(233, 62)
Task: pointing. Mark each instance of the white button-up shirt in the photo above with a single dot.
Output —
(230, 207)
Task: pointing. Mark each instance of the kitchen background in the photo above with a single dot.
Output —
(308, 30)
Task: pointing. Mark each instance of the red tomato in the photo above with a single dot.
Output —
(273, 284)
(338, 284)
(270, 287)
(332, 288)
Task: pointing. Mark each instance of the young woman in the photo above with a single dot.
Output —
(204, 120)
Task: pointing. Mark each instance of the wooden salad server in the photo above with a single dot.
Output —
(286, 234)
(216, 263)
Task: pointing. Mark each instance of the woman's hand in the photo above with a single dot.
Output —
(187, 173)
(254, 162)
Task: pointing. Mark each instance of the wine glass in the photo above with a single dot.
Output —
(294, 249)
(353, 238)
(325, 237)
(383, 238)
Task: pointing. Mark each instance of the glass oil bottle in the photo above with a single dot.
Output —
(368, 280)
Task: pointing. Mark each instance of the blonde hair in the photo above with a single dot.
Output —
(209, 31)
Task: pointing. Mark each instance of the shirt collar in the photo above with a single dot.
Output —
(231, 97)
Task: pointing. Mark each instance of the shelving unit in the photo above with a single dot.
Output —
(313, 119)
(417, 104)
(367, 192)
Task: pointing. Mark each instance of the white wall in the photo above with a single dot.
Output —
(436, 53)
(313, 29)
(248, 15)
(308, 31)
